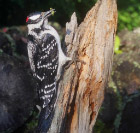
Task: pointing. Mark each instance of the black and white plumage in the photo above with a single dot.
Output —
(46, 60)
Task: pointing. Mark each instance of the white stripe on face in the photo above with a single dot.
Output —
(35, 17)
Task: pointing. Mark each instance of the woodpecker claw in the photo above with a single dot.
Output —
(75, 60)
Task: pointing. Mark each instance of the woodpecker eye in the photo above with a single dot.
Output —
(27, 19)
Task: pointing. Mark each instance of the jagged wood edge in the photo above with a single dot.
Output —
(71, 28)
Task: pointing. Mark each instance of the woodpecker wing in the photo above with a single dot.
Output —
(46, 63)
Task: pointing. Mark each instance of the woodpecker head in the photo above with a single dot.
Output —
(36, 19)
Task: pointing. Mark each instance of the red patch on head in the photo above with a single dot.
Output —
(4, 29)
(27, 19)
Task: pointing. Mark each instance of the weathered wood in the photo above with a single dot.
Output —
(81, 93)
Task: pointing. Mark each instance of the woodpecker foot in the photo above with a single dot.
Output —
(74, 61)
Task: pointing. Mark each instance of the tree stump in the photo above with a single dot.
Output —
(81, 91)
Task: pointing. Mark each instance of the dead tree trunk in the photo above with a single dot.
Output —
(81, 92)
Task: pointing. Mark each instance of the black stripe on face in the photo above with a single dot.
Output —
(34, 21)
(37, 30)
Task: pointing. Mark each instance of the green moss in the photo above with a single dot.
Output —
(136, 64)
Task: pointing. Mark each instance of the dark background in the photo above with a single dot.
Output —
(14, 12)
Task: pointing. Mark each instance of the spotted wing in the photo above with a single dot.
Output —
(46, 64)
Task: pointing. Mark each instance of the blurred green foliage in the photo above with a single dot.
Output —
(117, 45)
(14, 12)
(128, 14)
(100, 127)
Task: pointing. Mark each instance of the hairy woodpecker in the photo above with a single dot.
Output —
(46, 60)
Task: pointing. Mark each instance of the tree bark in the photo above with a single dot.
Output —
(81, 92)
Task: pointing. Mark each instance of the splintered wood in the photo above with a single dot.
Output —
(81, 92)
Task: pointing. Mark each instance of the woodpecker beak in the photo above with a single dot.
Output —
(48, 13)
